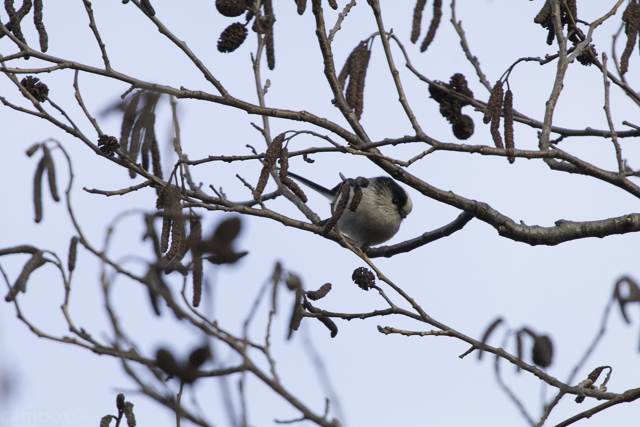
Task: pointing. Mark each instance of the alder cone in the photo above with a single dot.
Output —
(232, 37)
(231, 8)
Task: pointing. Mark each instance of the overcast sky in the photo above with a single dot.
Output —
(464, 281)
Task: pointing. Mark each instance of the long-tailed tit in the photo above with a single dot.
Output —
(377, 218)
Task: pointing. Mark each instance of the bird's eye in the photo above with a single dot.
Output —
(395, 201)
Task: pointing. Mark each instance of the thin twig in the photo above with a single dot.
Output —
(607, 111)
(118, 192)
(96, 33)
(465, 47)
(341, 17)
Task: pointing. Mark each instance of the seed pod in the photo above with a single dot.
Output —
(320, 293)
(107, 145)
(435, 22)
(232, 37)
(542, 353)
(199, 356)
(302, 5)
(166, 362)
(463, 127)
(451, 106)
(37, 190)
(51, 173)
(231, 8)
(417, 20)
(73, 253)
(508, 123)
(37, 20)
(364, 278)
(544, 14)
(36, 88)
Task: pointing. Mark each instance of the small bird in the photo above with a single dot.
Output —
(378, 216)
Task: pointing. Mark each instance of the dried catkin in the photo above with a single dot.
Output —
(270, 157)
(359, 184)
(51, 173)
(37, 20)
(37, 190)
(355, 68)
(149, 136)
(631, 18)
(34, 262)
(330, 325)
(155, 157)
(338, 208)
(16, 17)
(173, 211)
(435, 22)
(320, 293)
(508, 123)
(128, 120)
(73, 253)
(32, 150)
(492, 113)
(128, 413)
(417, 20)
(284, 178)
(196, 253)
(268, 38)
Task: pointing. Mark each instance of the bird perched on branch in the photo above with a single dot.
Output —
(374, 216)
